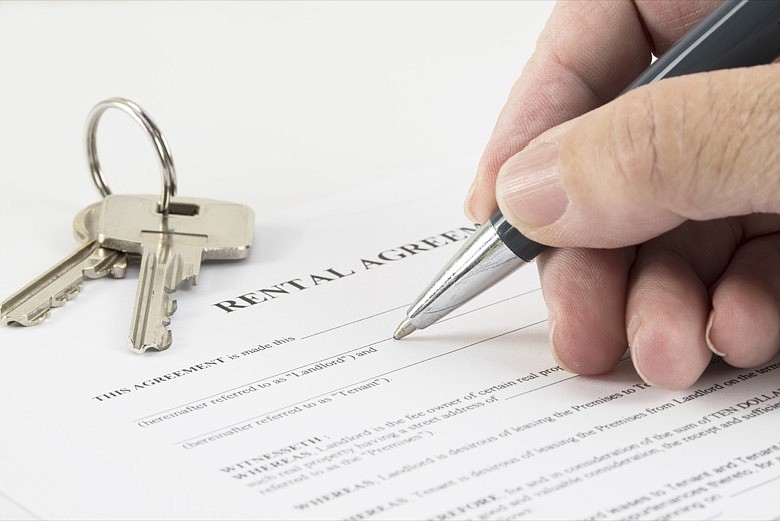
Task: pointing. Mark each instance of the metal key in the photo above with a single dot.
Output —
(172, 247)
(32, 304)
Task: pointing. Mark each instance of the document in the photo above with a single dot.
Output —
(284, 395)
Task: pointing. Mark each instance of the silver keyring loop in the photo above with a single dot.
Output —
(163, 152)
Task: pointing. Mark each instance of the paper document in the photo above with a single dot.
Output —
(285, 397)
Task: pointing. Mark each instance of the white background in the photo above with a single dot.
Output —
(297, 99)
(290, 100)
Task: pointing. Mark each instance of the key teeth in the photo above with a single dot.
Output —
(192, 279)
(111, 263)
(24, 320)
(167, 337)
(41, 313)
(67, 294)
(169, 308)
(30, 306)
(119, 270)
(167, 340)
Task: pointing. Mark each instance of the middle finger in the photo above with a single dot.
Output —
(668, 302)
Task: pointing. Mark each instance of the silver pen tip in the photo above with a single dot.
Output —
(403, 329)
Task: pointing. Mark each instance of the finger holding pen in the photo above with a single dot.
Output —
(625, 177)
(587, 53)
(686, 149)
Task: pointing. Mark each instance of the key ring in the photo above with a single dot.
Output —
(163, 152)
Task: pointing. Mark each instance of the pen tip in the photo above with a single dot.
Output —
(403, 329)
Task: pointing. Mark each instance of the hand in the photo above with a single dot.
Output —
(663, 203)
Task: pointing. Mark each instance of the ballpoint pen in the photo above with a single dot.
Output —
(739, 33)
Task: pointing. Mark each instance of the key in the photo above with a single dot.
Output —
(172, 248)
(32, 304)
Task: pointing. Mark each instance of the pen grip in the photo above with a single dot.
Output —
(520, 245)
(739, 33)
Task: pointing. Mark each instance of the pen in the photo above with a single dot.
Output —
(739, 33)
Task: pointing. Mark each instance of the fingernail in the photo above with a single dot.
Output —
(636, 348)
(468, 206)
(708, 335)
(553, 346)
(529, 186)
(551, 337)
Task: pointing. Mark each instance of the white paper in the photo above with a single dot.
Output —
(303, 407)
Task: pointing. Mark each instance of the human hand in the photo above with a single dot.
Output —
(654, 200)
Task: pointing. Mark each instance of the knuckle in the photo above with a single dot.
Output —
(695, 147)
(668, 145)
(633, 143)
(736, 138)
(751, 152)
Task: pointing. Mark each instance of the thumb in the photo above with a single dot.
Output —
(695, 147)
